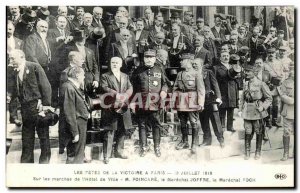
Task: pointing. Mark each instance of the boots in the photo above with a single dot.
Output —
(275, 116)
(258, 146)
(195, 140)
(105, 158)
(184, 143)
(265, 138)
(286, 144)
(248, 138)
(156, 140)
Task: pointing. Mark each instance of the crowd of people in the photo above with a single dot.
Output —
(58, 60)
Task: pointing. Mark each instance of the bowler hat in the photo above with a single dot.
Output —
(29, 16)
(243, 50)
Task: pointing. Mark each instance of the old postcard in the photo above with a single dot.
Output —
(150, 96)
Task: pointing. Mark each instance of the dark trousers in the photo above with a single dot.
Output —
(30, 114)
(206, 115)
(229, 117)
(76, 150)
(184, 117)
(148, 119)
(119, 136)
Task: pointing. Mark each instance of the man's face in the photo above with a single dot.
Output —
(123, 24)
(225, 57)
(78, 60)
(256, 31)
(125, 37)
(10, 30)
(188, 16)
(123, 11)
(80, 13)
(118, 16)
(200, 24)
(175, 20)
(98, 13)
(218, 21)
(242, 30)
(115, 64)
(159, 21)
(15, 59)
(14, 10)
(225, 48)
(147, 14)
(149, 61)
(175, 31)
(42, 28)
(249, 74)
(271, 56)
(259, 62)
(61, 22)
(282, 53)
(140, 25)
(198, 42)
(159, 40)
(206, 32)
(63, 12)
(88, 20)
(233, 39)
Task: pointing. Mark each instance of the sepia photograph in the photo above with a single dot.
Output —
(150, 96)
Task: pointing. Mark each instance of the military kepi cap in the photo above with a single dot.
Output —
(252, 68)
(151, 53)
(271, 50)
(187, 56)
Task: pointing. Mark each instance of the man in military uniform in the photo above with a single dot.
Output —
(191, 94)
(212, 99)
(256, 98)
(149, 84)
(276, 72)
(287, 93)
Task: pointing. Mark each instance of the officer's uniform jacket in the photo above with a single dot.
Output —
(287, 98)
(189, 90)
(147, 81)
(276, 69)
(255, 94)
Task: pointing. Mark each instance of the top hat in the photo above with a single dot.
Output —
(78, 35)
